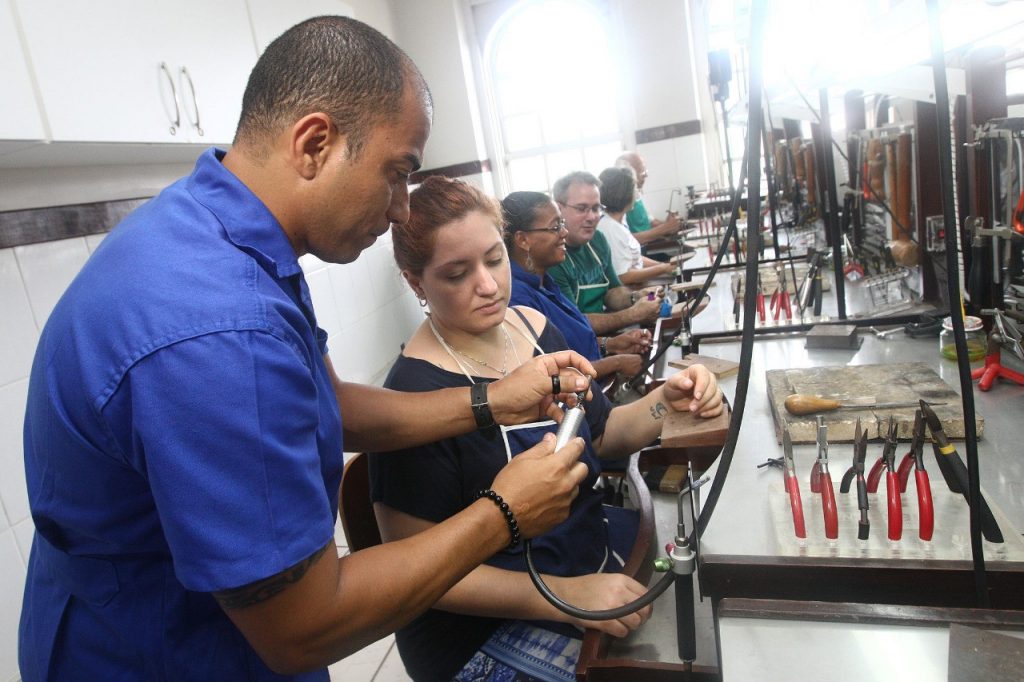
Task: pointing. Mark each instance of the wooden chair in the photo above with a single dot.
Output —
(355, 507)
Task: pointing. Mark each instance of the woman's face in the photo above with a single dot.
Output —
(467, 281)
(546, 245)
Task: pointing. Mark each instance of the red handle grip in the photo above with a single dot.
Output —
(793, 486)
(875, 475)
(924, 504)
(892, 491)
(760, 307)
(828, 507)
(906, 464)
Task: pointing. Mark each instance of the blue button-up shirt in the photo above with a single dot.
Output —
(528, 289)
(182, 436)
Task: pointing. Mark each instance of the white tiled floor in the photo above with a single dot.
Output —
(378, 662)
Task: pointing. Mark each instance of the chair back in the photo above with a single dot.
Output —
(355, 506)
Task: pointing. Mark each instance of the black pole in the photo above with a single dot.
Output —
(831, 196)
(953, 285)
(772, 199)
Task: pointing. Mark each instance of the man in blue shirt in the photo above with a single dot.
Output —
(183, 432)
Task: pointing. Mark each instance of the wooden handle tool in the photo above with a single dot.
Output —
(802, 404)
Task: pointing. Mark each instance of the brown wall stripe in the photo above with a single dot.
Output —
(457, 170)
(32, 226)
(667, 132)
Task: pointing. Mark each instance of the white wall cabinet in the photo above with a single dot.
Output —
(139, 70)
(271, 18)
(20, 120)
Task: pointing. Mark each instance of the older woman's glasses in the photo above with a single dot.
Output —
(554, 229)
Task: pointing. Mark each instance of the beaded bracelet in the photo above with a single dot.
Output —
(510, 519)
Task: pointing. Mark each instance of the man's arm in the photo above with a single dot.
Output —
(325, 608)
(380, 420)
(660, 229)
(646, 274)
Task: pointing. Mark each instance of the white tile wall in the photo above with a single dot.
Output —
(12, 483)
(18, 333)
(12, 568)
(47, 270)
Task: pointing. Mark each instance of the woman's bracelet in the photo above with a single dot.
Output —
(602, 344)
(510, 519)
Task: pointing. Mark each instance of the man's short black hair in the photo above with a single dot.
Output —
(332, 64)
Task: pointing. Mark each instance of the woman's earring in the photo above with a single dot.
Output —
(422, 301)
(529, 261)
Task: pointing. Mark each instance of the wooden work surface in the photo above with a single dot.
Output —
(717, 366)
(686, 430)
(898, 382)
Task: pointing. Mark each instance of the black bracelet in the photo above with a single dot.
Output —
(603, 345)
(510, 519)
(481, 410)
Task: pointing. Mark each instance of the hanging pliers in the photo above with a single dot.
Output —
(948, 457)
(780, 298)
(793, 486)
(760, 300)
(860, 451)
(821, 481)
(925, 508)
(892, 483)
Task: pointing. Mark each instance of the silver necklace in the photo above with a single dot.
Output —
(503, 370)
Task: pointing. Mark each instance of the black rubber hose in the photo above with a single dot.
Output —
(603, 614)
(952, 283)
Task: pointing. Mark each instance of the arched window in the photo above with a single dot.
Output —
(553, 81)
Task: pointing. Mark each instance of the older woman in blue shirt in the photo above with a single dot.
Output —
(535, 238)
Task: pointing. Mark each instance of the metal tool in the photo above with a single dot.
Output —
(793, 486)
(946, 453)
(925, 507)
(856, 471)
(821, 482)
(892, 484)
(802, 404)
(572, 420)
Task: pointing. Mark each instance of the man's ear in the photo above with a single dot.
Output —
(313, 137)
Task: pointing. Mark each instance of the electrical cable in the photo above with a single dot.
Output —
(956, 312)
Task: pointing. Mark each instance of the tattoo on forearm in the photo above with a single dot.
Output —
(262, 590)
(658, 411)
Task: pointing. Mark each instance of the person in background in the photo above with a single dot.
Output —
(183, 430)
(494, 624)
(618, 191)
(640, 223)
(535, 240)
(586, 276)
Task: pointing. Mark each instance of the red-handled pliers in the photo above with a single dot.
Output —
(760, 300)
(793, 486)
(821, 481)
(892, 484)
(925, 508)
(860, 449)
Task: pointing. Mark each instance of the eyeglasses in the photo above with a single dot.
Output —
(554, 229)
(582, 209)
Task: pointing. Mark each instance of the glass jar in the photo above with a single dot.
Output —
(977, 340)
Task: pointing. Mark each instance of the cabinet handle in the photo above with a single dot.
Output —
(195, 102)
(174, 95)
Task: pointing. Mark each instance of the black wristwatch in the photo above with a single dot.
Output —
(481, 410)
(602, 344)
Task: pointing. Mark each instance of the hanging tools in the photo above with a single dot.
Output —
(925, 508)
(892, 484)
(802, 404)
(780, 298)
(860, 449)
(760, 300)
(821, 482)
(946, 453)
(793, 486)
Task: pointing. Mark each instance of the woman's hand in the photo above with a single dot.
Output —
(598, 592)
(694, 389)
(633, 341)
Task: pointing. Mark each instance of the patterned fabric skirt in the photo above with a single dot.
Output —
(523, 652)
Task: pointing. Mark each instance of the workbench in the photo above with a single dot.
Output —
(738, 556)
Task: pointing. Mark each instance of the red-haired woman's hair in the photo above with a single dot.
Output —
(435, 203)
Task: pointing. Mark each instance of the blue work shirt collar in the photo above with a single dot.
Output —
(248, 222)
(530, 279)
